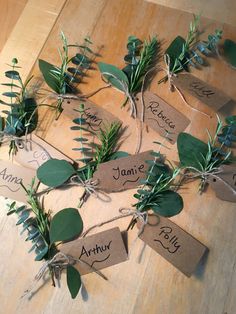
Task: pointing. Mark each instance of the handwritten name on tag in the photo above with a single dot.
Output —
(204, 92)
(34, 151)
(11, 177)
(224, 183)
(173, 243)
(162, 117)
(99, 251)
(96, 117)
(122, 174)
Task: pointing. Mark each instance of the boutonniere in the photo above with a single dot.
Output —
(207, 161)
(21, 117)
(55, 173)
(184, 53)
(46, 233)
(65, 78)
(140, 61)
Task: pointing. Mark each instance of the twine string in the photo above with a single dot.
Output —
(173, 87)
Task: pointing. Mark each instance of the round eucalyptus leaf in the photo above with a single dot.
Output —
(65, 225)
(55, 172)
(169, 203)
(73, 280)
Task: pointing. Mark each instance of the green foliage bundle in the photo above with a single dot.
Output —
(203, 159)
(158, 191)
(65, 78)
(184, 53)
(46, 232)
(140, 60)
(21, 118)
(55, 173)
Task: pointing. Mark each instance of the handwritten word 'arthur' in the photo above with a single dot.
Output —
(95, 250)
(135, 170)
(157, 112)
(171, 240)
(9, 177)
(200, 90)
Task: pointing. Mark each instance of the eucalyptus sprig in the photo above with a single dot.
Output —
(55, 173)
(191, 51)
(204, 159)
(46, 233)
(21, 118)
(64, 79)
(140, 60)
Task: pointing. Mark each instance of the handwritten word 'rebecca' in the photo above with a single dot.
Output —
(157, 112)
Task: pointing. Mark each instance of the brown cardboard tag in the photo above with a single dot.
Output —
(204, 92)
(224, 183)
(10, 178)
(162, 117)
(124, 173)
(95, 116)
(173, 243)
(36, 151)
(100, 250)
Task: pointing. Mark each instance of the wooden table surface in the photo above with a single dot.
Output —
(153, 286)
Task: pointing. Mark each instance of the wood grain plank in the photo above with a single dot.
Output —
(153, 286)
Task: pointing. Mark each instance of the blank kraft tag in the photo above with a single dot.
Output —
(173, 243)
(100, 250)
(161, 117)
(36, 151)
(95, 116)
(11, 177)
(204, 92)
(123, 173)
(224, 183)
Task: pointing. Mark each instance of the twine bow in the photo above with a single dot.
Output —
(209, 173)
(56, 264)
(173, 87)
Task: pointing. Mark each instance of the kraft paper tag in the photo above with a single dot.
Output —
(123, 173)
(36, 151)
(173, 243)
(224, 183)
(95, 116)
(99, 251)
(209, 95)
(162, 117)
(11, 177)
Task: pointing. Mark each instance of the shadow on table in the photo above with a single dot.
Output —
(200, 270)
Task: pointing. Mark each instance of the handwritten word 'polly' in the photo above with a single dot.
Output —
(170, 242)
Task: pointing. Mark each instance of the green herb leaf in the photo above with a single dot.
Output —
(46, 68)
(175, 49)
(229, 49)
(191, 150)
(14, 75)
(73, 280)
(55, 172)
(114, 75)
(65, 225)
(169, 203)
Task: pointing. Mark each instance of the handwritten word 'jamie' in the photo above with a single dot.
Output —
(91, 119)
(9, 177)
(135, 170)
(200, 90)
(153, 107)
(172, 240)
